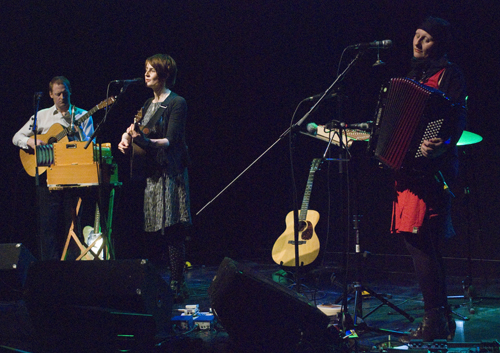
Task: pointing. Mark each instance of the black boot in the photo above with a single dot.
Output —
(434, 326)
(180, 291)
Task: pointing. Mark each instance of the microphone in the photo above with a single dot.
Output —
(359, 126)
(129, 82)
(312, 128)
(378, 44)
(38, 95)
(317, 96)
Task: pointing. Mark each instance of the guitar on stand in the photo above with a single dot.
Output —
(284, 248)
(92, 236)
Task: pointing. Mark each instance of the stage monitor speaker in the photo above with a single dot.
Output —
(14, 262)
(260, 314)
(84, 306)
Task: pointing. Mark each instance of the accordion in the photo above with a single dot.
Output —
(407, 114)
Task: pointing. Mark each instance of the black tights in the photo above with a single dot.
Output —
(429, 267)
(174, 241)
(177, 255)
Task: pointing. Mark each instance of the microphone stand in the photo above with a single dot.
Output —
(293, 128)
(325, 94)
(108, 108)
(37, 97)
(96, 135)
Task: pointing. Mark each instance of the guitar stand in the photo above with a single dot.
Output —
(72, 235)
(86, 250)
(288, 275)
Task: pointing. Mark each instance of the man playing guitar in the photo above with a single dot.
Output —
(54, 207)
(62, 112)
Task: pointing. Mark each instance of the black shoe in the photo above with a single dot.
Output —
(434, 326)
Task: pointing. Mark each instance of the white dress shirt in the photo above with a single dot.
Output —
(50, 116)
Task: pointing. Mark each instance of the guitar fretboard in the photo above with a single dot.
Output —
(307, 193)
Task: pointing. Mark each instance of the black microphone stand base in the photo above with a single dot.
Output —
(361, 289)
(358, 322)
(470, 298)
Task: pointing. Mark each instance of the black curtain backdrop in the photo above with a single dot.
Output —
(244, 66)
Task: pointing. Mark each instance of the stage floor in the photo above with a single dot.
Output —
(477, 319)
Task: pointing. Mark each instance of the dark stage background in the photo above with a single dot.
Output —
(243, 67)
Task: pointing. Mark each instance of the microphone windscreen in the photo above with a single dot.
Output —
(312, 128)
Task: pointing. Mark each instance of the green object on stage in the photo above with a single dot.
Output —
(469, 138)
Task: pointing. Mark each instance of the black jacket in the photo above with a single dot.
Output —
(171, 125)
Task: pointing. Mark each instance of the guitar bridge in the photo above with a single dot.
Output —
(301, 242)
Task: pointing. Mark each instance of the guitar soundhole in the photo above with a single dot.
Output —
(306, 229)
(52, 140)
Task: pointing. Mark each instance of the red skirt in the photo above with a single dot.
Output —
(409, 212)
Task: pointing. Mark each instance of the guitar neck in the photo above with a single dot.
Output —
(101, 105)
(80, 120)
(307, 193)
(85, 116)
(97, 221)
(64, 132)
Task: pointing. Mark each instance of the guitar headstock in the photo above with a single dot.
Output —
(106, 102)
(138, 116)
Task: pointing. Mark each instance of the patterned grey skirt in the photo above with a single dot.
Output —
(166, 201)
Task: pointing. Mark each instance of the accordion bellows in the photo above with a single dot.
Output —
(409, 113)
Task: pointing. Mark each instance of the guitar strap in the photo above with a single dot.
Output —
(80, 134)
(163, 106)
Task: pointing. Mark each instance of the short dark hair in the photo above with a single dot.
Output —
(165, 67)
(59, 80)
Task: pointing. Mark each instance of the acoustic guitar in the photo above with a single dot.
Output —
(56, 133)
(284, 248)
